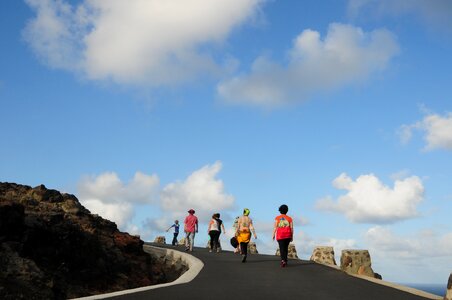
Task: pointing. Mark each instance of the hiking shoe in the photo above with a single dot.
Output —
(283, 264)
(210, 251)
(243, 258)
(218, 250)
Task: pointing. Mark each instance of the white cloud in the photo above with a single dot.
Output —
(423, 245)
(345, 56)
(201, 191)
(121, 212)
(110, 189)
(305, 244)
(120, 202)
(55, 33)
(437, 129)
(433, 12)
(107, 196)
(368, 200)
(153, 227)
(149, 42)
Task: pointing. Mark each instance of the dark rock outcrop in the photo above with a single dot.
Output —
(51, 247)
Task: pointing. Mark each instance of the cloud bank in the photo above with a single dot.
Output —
(144, 42)
(201, 191)
(305, 244)
(422, 245)
(109, 197)
(345, 56)
(437, 131)
(157, 43)
(368, 200)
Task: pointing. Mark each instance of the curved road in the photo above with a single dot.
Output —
(224, 276)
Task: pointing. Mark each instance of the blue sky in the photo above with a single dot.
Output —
(144, 109)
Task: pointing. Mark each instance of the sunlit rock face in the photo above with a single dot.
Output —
(292, 251)
(51, 247)
(252, 248)
(357, 262)
(323, 255)
(160, 240)
(208, 245)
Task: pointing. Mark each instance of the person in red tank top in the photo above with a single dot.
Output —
(283, 232)
(190, 228)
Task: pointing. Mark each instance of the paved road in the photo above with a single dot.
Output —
(224, 276)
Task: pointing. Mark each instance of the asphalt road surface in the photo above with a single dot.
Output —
(224, 276)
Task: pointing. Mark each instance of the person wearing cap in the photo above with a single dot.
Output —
(243, 233)
(176, 232)
(283, 232)
(190, 228)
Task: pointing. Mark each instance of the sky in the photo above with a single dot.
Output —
(144, 109)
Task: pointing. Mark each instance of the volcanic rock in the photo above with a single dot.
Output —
(160, 240)
(323, 255)
(357, 262)
(252, 248)
(292, 251)
(51, 247)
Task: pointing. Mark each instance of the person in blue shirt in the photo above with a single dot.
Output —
(176, 232)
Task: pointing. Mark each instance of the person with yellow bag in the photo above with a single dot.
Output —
(243, 233)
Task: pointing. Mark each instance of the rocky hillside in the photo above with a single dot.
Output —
(51, 247)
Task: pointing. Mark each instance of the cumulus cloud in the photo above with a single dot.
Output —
(121, 212)
(422, 245)
(368, 200)
(108, 187)
(437, 131)
(305, 244)
(345, 56)
(437, 13)
(153, 227)
(109, 197)
(422, 256)
(55, 33)
(201, 191)
(146, 42)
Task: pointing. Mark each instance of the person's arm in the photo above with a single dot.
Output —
(274, 229)
(239, 222)
(252, 228)
(169, 228)
(196, 225)
(291, 227)
(222, 226)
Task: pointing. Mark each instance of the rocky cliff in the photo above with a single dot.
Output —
(51, 247)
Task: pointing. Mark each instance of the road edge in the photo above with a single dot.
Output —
(389, 284)
(194, 264)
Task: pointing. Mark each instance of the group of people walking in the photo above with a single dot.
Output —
(244, 228)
